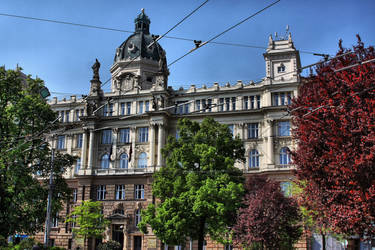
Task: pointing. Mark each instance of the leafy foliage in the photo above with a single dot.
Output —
(89, 220)
(109, 245)
(334, 119)
(267, 218)
(199, 188)
(24, 116)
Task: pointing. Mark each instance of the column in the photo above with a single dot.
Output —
(69, 143)
(269, 147)
(91, 149)
(160, 144)
(114, 148)
(240, 131)
(84, 149)
(152, 145)
(133, 137)
(239, 103)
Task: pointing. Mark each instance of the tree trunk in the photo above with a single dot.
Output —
(201, 234)
(323, 241)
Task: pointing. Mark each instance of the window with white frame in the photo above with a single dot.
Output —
(76, 116)
(108, 109)
(198, 105)
(101, 192)
(124, 135)
(254, 159)
(284, 156)
(142, 160)
(231, 128)
(137, 217)
(227, 104)
(62, 115)
(143, 134)
(128, 108)
(275, 99)
(61, 142)
(120, 192)
(286, 188)
(221, 104)
(281, 68)
(283, 128)
(104, 162)
(139, 191)
(124, 161)
(258, 101)
(122, 108)
(233, 103)
(147, 106)
(55, 220)
(75, 195)
(67, 114)
(82, 111)
(246, 102)
(78, 166)
(209, 105)
(140, 107)
(252, 130)
(79, 141)
(107, 136)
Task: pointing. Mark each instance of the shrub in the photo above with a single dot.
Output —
(109, 245)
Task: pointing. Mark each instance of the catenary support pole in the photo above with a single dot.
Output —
(49, 203)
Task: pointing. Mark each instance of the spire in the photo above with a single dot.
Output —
(142, 23)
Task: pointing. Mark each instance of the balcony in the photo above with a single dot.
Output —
(121, 171)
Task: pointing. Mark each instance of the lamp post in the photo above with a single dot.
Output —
(49, 203)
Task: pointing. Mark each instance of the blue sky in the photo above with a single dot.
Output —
(62, 55)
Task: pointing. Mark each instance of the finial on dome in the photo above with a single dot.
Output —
(143, 10)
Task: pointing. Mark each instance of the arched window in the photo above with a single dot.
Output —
(78, 166)
(124, 160)
(142, 160)
(254, 159)
(104, 161)
(284, 156)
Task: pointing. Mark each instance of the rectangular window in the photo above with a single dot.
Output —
(82, 112)
(55, 220)
(120, 192)
(143, 134)
(140, 107)
(79, 141)
(289, 98)
(122, 108)
(186, 108)
(62, 114)
(252, 104)
(128, 108)
(275, 99)
(231, 128)
(78, 166)
(61, 142)
(137, 217)
(252, 130)
(258, 101)
(75, 195)
(139, 191)
(77, 115)
(233, 103)
(246, 102)
(67, 114)
(282, 98)
(227, 104)
(147, 106)
(284, 128)
(125, 135)
(179, 107)
(204, 106)
(221, 104)
(107, 136)
(209, 104)
(198, 104)
(101, 192)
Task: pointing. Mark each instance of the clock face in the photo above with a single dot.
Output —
(132, 48)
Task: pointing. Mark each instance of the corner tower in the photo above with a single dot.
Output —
(282, 60)
(140, 62)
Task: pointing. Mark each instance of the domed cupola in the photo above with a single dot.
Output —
(142, 23)
(140, 58)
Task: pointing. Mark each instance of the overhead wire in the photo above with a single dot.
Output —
(225, 31)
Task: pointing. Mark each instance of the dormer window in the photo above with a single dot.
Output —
(281, 68)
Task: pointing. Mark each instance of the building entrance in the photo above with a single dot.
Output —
(137, 242)
(118, 234)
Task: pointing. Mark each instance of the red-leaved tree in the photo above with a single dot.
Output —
(334, 119)
(268, 219)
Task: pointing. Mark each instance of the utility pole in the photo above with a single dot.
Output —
(49, 204)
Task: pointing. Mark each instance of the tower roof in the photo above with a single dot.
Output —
(138, 44)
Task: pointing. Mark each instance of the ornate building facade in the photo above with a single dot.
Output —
(118, 136)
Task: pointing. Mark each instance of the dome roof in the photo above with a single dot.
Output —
(138, 43)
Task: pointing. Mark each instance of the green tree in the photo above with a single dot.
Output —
(199, 190)
(24, 117)
(89, 220)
